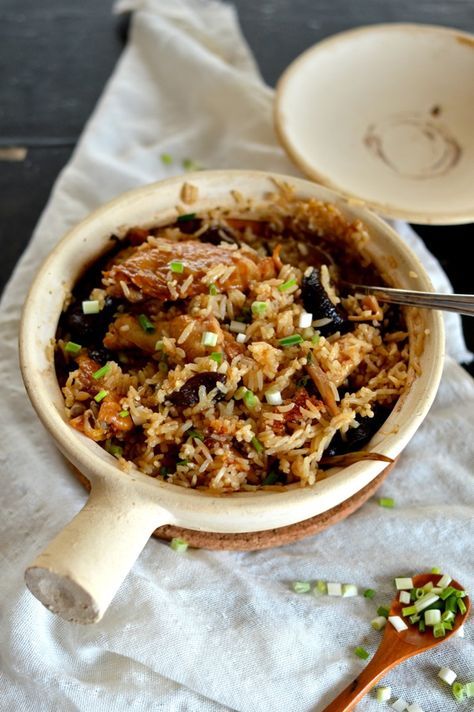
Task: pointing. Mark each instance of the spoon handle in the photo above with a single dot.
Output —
(460, 303)
(387, 656)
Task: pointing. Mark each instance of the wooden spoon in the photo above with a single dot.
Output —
(394, 649)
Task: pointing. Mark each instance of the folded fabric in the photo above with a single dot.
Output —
(213, 631)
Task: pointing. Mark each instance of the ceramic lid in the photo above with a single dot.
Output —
(385, 114)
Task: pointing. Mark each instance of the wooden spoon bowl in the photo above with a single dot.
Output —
(394, 648)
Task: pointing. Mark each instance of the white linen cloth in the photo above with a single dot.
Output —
(208, 631)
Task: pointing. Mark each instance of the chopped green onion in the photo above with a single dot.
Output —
(419, 593)
(404, 597)
(387, 502)
(451, 604)
(195, 434)
(309, 357)
(403, 583)
(159, 345)
(315, 339)
(369, 593)
(124, 413)
(257, 444)
(447, 592)
(415, 618)
(178, 545)
(334, 589)
(421, 626)
(436, 570)
(428, 586)
(291, 340)
(444, 581)
(378, 623)
(439, 630)
(383, 693)
(163, 367)
(250, 399)
(72, 348)
(181, 463)
(259, 308)
(274, 397)
(398, 623)
(209, 338)
(321, 587)
(305, 320)
(146, 324)
(349, 589)
(213, 290)
(112, 449)
(100, 396)
(101, 372)
(272, 478)
(177, 267)
(461, 606)
(190, 165)
(287, 285)
(301, 586)
(447, 616)
(186, 217)
(409, 611)
(400, 705)
(238, 327)
(458, 691)
(448, 625)
(216, 356)
(414, 707)
(240, 392)
(424, 602)
(361, 653)
(90, 306)
(469, 689)
(432, 617)
(459, 593)
(166, 159)
(383, 611)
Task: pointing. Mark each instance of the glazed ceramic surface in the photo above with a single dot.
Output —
(76, 576)
(386, 114)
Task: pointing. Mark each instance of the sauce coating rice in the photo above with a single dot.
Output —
(225, 353)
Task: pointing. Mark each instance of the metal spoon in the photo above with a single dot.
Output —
(460, 303)
(394, 649)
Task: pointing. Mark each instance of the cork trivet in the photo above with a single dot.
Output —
(251, 541)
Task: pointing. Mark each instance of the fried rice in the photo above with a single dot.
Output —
(225, 351)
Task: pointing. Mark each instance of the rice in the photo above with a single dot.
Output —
(197, 416)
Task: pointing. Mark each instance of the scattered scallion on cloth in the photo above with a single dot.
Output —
(146, 324)
(447, 675)
(166, 159)
(72, 348)
(190, 165)
(369, 593)
(387, 502)
(361, 653)
(321, 587)
(301, 586)
(378, 623)
(90, 306)
(101, 372)
(383, 693)
(178, 545)
(383, 611)
(349, 589)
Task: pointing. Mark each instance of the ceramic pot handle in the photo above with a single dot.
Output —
(78, 574)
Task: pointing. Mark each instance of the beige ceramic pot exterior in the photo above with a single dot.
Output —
(386, 114)
(80, 571)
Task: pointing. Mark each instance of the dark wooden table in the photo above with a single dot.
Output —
(55, 58)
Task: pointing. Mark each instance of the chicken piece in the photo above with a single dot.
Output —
(126, 333)
(146, 273)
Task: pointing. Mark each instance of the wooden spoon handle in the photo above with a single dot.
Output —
(386, 657)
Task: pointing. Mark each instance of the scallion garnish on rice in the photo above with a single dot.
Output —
(177, 267)
(387, 502)
(257, 444)
(250, 399)
(186, 217)
(91, 306)
(238, 327)
(124, 414)
(209, 338)
(287, 285)
(159, 345)
(101, 372)
(274, 397)
(100, 395)
(361, 653)
(216, 356)
(195, 434)
(72, 348)
(259, 308)
(292, 340)
(213, 290)
(146, 324)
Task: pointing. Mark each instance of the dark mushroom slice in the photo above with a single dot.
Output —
(355, 438)
(317, 302)
(188, 394)
(88, 328)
